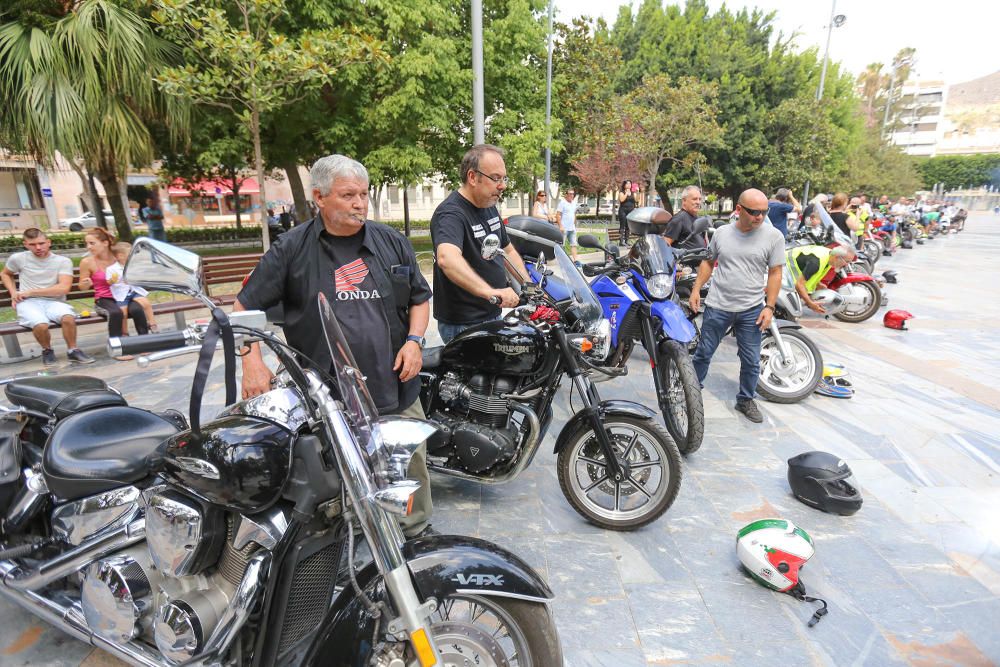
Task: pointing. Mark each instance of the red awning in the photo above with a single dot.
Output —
(211, 188)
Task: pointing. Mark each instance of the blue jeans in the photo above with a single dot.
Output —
(714, 325)
(449, 331)
(157, 234)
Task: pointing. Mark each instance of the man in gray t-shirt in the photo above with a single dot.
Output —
(745, 286)
(40, 297)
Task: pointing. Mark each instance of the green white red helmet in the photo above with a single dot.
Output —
(773, 551)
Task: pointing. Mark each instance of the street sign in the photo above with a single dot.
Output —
(218, 190)
(46, 192)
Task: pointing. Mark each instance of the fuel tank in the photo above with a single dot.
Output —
(239, 461)
(497, 347)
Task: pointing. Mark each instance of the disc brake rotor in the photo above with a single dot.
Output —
(639, 454)
(466, 645)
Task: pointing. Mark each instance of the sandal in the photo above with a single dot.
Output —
(125, 357)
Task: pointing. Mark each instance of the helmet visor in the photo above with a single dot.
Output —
(843, 488)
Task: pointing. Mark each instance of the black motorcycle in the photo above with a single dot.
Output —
(490, 390)
(233, 542)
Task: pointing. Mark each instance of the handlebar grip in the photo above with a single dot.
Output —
(148, 343)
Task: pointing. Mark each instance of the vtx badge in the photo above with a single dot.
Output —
(479, 579)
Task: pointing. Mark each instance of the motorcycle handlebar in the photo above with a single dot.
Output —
(148, 343)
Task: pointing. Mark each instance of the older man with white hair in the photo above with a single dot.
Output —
(680, 229)
(810, 264)
(369, 274)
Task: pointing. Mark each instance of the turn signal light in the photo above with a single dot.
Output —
(397, 498)
(422, 645)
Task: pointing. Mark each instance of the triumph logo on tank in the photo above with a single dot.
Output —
(347, 279)
(511, 350)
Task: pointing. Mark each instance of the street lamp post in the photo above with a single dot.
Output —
(478, 113)
(548, 112)
(836, 20)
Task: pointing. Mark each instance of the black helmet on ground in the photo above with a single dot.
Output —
(890, 276)
(824, 481)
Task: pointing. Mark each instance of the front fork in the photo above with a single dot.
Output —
(591, 404)
(783, 351)
(649, 340)
(381, 529)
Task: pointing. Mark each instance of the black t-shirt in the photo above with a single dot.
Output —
(679, 230)
(361, 316)
(840, 219)
(457, 221)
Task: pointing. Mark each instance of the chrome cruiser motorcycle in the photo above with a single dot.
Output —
(490, 390)
(233, 542)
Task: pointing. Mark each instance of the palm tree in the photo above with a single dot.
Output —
(872, 82)
(77, 79)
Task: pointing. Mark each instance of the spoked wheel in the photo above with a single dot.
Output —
(495, 632)
(872, 300)
(789, 383)
(684, 415)
(650, 461)
(873, 249)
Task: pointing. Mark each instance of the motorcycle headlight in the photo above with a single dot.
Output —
(660, 285)
(601, 337)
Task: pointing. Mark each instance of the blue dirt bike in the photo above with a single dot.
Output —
(637, 296)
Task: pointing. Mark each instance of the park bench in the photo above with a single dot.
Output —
(218, 271)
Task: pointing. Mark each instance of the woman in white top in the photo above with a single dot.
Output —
(541, 208)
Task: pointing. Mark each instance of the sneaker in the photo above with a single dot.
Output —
(49, 357)
(78, 356)
(750, 411)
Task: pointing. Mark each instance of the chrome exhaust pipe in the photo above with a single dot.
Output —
(69, 618)
(68, 562)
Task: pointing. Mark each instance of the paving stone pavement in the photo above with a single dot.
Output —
(912, 579)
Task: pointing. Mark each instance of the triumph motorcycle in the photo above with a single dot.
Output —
(636, 293)
(490, 391)
(233, 542)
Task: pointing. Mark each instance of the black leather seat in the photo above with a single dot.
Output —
(104, 448)
(60, 396)
(432, 357)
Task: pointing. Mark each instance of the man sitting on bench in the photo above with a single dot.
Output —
(45, 279)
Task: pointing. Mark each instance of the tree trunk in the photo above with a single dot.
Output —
(236, 197)
(406, 211)
(375, 202)
(299, 197)
(113, 191)
(87, 180)
(258, 159)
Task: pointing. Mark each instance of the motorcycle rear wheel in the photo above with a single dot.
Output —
(650, 454)
(495, 632)
(780, 386)
(866, 311)
(873, 249)
(685, 416)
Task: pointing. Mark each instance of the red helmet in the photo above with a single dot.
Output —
(896, 319)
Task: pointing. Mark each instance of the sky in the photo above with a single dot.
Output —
(956, 40)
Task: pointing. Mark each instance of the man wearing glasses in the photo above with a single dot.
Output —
(745, 286)
(468, 289)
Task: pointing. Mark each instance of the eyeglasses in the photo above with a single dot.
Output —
(753, 211)
(495, 179)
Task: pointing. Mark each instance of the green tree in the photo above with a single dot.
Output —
(670, 123)
(236, 60)
(76, 80)
(876, 167)
(800, 136)
(958, 171)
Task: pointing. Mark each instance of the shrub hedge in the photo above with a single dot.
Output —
(72, 240)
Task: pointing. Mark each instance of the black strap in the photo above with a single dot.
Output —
(220, 327)
(799, 593)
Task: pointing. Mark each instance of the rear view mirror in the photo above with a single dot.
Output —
(155, 265)
(589, 241)
(701, 224)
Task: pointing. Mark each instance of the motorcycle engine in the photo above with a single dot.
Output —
(479, 420)
(173, 590)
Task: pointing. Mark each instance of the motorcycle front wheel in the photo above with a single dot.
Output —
(781, 383)
(652, 463)
(491, 631)
(861, 312)
(684, 416)
(873, 249)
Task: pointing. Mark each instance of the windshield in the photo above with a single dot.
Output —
(584, 300)
(358, 404)
(655, 255)
(828, 225)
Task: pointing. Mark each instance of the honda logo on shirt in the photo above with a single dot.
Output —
(348, 279)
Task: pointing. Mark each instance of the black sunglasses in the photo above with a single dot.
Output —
(753, 211)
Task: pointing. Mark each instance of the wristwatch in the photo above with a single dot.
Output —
(419, 340)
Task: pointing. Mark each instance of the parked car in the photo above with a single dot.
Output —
(583, 208)
(88, 219)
